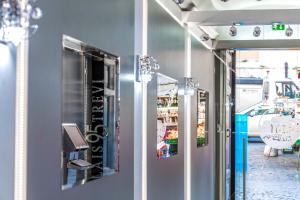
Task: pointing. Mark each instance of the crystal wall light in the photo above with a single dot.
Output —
(15, 20)
(147, 67)
(188, 87)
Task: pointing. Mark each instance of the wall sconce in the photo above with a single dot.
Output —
(188, 87)
(147, 67)
(15, 20)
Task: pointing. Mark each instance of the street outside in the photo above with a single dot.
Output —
(271, 178)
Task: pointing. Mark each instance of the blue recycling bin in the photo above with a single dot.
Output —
(241, 142)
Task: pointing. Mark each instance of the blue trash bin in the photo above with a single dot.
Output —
(241, 142)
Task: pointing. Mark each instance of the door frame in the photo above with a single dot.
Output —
(221, 129)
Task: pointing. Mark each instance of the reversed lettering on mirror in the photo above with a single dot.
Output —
(90, 113)
(167, 116)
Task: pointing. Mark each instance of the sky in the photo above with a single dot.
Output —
(256, 63)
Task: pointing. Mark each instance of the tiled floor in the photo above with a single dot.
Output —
(271, 178)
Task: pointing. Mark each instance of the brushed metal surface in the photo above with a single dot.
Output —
(108, 25)
(7, 120)
(203, 157)
(166, 44)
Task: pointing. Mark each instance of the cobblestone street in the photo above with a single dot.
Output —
(273, 178)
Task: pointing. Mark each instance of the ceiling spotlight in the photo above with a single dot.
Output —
(204, 37)
(179, 1)
(257, 31)
(233, 31)
(289, 32)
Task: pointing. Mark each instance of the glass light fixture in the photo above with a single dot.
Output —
(15, 20)
(188, 87)
(147, 67)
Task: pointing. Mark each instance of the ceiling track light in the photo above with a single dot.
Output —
(204, 37)
(233, 31)
(15, 19)
(178, 1)
(257, 31)
(289, 32)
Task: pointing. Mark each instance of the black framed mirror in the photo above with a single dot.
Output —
(90, 113)
(202, 117)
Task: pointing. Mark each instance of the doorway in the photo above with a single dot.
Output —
(258, 127)
(267, 125)
(225, 145)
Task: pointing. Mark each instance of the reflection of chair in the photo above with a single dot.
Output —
(298, 152)
(73, 141)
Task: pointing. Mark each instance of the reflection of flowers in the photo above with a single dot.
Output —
(171, 134)
(201, 130)
(161, 129)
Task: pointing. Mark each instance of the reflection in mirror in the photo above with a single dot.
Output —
(202, 117)
(90, 113)
(167, 116)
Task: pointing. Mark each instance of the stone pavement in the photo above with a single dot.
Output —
(271, 178)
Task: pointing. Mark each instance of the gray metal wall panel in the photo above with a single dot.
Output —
(108, 25)
(166, 44)
(203, 157)
(7, 120)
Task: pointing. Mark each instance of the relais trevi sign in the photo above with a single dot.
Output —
(280, 132)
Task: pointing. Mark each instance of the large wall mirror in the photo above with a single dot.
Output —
(167, 116)
(90, 113)
(202, 117)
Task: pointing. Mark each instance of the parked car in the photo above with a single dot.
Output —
(257, 115)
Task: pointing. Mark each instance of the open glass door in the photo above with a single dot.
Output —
(225, 113)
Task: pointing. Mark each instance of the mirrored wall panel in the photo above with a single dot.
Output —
(202, 117)
(90, 113)
(167, 116)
